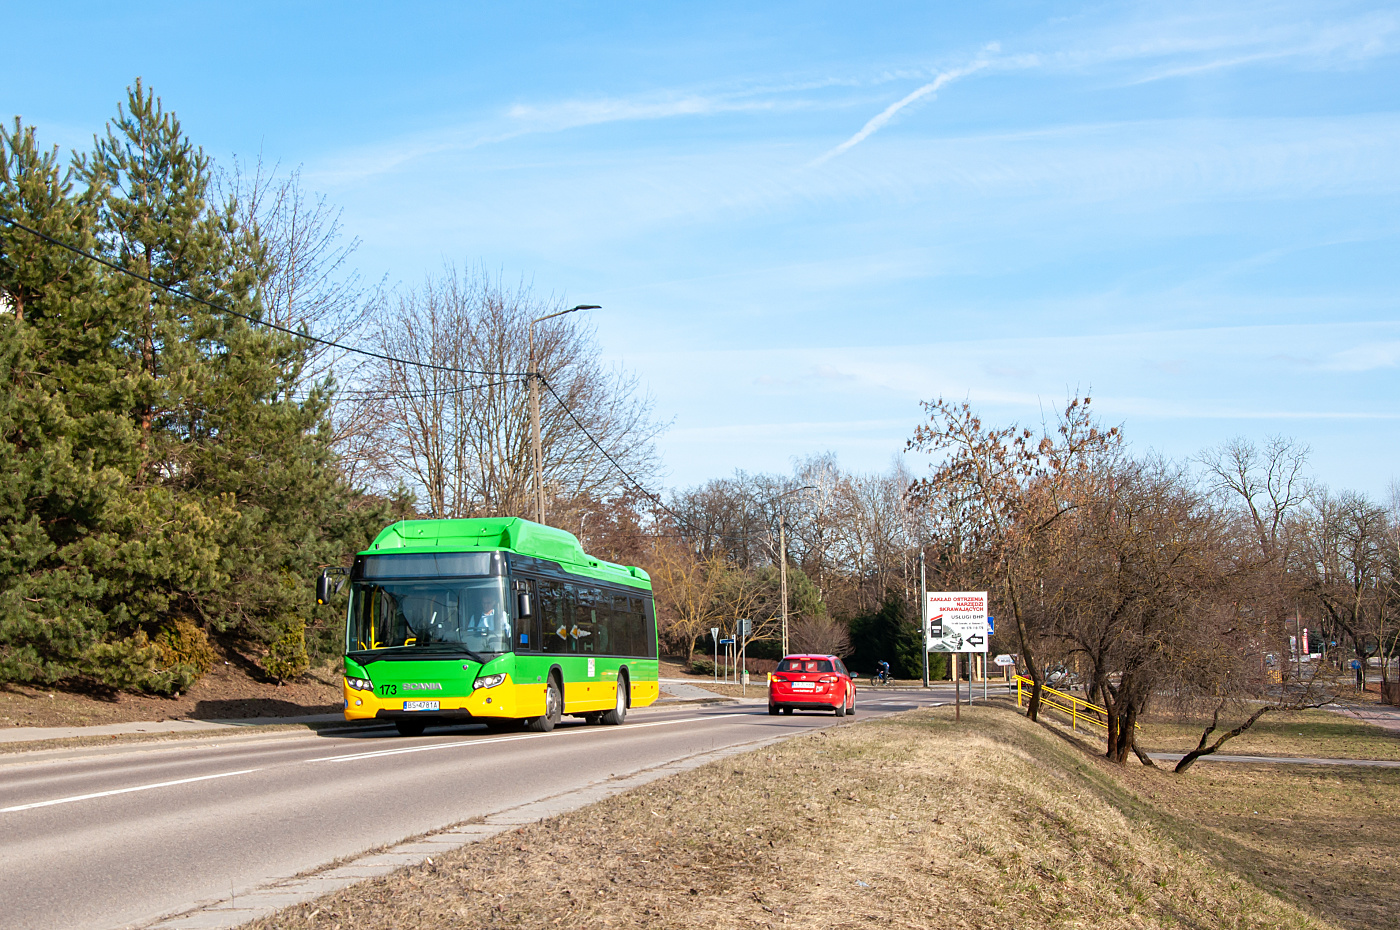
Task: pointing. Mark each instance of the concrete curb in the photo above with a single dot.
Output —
(250, 904)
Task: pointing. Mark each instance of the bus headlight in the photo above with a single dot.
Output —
(359, 684)
(488, 681)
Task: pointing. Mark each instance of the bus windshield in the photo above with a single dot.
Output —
(438, 616)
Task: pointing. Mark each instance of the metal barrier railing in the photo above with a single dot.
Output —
(1078, 709)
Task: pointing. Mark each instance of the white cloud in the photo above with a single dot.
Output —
(875, 123)
(1365, 358)
(569, 114)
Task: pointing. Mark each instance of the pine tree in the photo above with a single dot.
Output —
(162, 474)
(54, 481)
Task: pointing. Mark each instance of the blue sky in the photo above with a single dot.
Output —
(803, 219)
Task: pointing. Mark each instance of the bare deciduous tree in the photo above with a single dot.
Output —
(1013, 486)
(456, 425)
(1347, 569)
(820, 635)
(300, 258)
(688, 593)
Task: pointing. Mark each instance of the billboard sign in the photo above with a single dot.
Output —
(956, 621)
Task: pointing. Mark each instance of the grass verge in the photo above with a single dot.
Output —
(1319, 733)
(910, 821)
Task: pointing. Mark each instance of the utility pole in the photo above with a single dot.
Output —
(533, 375)
(923, 614)
(782, 557)
(957, 689)
(782, 571)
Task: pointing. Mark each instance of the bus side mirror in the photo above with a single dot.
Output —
(324, 588)
(524, 609)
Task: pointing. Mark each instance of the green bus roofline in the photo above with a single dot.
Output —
(488, 534)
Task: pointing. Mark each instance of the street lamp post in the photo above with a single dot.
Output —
(923, 612)
(782, 571)
(534, 376)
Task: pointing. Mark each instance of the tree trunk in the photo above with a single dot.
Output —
(1037, 677)
(1127, 725)
(1202, 749)
(1110, 722)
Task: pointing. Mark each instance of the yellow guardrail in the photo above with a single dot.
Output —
(1078, 709)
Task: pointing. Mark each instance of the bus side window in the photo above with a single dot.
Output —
(556, 616)
(586, 618)
(617, 621)
(604, 630)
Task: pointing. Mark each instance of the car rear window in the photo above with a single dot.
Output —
(805, 665)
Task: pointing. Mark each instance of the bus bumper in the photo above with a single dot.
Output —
(505, 700)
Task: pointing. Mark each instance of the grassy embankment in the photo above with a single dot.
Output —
(916, 822)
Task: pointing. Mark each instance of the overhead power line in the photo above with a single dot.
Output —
(385, 393)
(620, 470)
(682, 521)
(514, 376)
(354, 350)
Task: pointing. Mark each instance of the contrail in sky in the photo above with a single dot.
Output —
(888, 113)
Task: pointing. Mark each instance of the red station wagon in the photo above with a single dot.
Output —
(809, 682)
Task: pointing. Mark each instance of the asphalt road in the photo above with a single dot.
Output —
(118, 836)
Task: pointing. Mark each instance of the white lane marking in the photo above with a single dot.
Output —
(364, 755)
(108, 794)
(509, 739)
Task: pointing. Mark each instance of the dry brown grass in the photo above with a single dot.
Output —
(909, 821)
(1328, 837)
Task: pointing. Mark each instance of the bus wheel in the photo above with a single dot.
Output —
(410, 727)
(553, 708)
(619, 712)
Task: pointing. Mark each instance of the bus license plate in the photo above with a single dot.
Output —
(420, 705)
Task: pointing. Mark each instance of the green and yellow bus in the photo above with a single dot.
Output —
(498, 620)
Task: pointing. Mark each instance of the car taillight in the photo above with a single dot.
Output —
(772, 677)
(827, 679)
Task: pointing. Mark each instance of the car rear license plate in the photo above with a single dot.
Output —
(420, 705)
(802, 686)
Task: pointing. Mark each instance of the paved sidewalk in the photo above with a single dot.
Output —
(1278, 760)
(683, 690)
(1379, 714)
(31, 734)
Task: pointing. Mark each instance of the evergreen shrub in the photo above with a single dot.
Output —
(286, 659)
